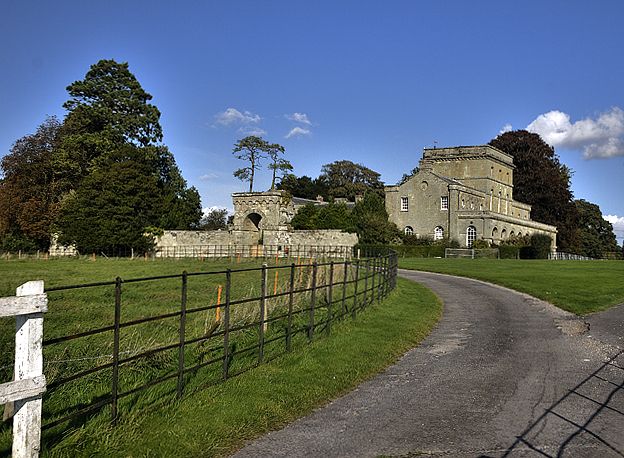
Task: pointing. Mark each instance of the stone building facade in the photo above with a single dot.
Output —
(463, 193)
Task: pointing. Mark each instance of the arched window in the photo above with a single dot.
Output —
(408, 230)
(512, 234)
(438, 233)
(471, 236)
(495, 233)
(504, 234)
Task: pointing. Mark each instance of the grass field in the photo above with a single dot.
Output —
(579, 287)
(82, 309)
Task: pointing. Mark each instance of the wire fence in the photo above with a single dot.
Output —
(179, 333)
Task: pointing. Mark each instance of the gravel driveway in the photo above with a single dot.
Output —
(503, 374)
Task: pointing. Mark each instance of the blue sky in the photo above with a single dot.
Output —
(371, 82)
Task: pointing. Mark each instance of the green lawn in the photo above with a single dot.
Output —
(580, 287)
(210, 419)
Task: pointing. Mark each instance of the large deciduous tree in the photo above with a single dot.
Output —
(29, 192)
(542, 181)
(347, 179)
(595, 233)
(214, 220)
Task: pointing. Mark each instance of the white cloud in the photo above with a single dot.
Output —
(602, 137)
(616, 221)
(251, 130)
(209, 176)
(233, 116)
(506, 128)
(297, 131)
(300, 118)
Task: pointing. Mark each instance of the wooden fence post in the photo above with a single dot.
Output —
(29, 369)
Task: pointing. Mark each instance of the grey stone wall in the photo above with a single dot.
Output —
(330, 243)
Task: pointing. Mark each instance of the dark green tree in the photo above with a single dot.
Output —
(306, 218)
(111, 101)
(542, 181)
(213, 220)
(303, 186)
(347, 179)
(114, 205)
(595, 233)
(335, 216)
(370, 219)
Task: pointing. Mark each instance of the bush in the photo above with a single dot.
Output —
(541, 245)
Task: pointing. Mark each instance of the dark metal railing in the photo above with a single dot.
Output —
(248, 329)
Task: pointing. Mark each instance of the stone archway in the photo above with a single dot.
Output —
(252, 222)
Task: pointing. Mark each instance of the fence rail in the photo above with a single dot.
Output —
(254, 251)
(561, 256)
(199, 340)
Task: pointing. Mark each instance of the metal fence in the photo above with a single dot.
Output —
(198, 340)
(254, 251)
(561, 256)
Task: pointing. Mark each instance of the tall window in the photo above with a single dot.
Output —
(438, 233)
(444, 203)
(408, 230)
(471, 236)
(404, 204)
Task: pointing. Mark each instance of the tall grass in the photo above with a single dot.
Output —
(78, 310)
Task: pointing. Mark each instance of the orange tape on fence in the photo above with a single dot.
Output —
(218, 316)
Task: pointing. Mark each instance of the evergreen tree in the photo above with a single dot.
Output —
(253, 149)
(371, 221)
(112, 127)
(112, 207)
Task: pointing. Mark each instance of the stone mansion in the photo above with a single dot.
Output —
(463, 193)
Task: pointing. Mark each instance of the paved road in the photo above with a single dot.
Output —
(503, 374)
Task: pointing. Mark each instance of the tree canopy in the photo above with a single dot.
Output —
(339, 179)
(102, 175)
(213, 220)
(29, 198)
(348, 179)
(542, 181)
(595, 233)
(254, 149)
(303, 186)
(110, 100)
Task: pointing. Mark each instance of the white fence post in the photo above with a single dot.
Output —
(29, 383)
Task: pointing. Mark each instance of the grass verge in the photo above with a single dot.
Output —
(580, 287)
(219, 419)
